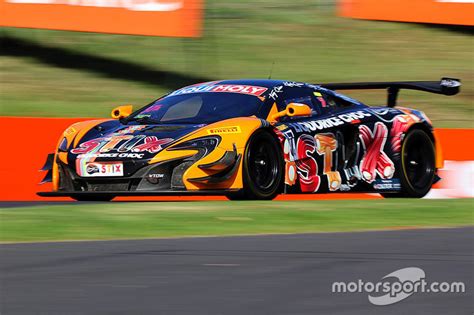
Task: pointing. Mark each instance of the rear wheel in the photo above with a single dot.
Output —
(262, 169)
(92, 198)
(417, 165)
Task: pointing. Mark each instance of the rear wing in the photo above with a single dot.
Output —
(446, 86)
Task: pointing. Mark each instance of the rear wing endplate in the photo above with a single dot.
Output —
(446, 86)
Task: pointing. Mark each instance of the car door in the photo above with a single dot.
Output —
(322, 151)
(362, 137)
(308, 153)
(348, 115)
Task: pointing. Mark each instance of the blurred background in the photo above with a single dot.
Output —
(51, 73)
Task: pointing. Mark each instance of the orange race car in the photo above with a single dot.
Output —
(252, 139)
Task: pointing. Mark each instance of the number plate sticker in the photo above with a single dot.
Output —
(97, 169)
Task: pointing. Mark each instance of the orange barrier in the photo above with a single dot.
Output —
(456, 12)
(179, 18)
(456, 144)
(27, 142)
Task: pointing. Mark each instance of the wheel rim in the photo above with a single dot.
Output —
(263, 167)
(419, 162)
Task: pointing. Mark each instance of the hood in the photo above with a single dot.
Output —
(133, 146)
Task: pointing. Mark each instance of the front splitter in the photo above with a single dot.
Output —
(136, 193)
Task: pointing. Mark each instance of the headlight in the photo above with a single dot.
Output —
(204, 145)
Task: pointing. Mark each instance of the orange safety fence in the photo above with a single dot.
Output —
(176, 18)
(456, 12)
(27, 141)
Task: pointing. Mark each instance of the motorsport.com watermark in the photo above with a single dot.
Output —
(397, 286)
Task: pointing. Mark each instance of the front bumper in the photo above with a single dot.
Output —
(162, 178)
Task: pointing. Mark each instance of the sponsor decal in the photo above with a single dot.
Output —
(222, 88)
(154, 178)
(286, 137)
(221, 130)
(384, 111)
(311, 159)
(152, 108)
(112, 155)
(98, 169)
(69, 131)
(321, 124)
(155, 175)
(129, 129)
(400, 125)
(375, 160)
(275, 91)
(307, 167)
(122, 144)
(151, 144)
(449, 82)
(293, 84)
(300, 160)
(326, 144)
(387, 184)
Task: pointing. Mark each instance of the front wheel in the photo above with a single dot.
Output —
(262, 171)
(417, 165)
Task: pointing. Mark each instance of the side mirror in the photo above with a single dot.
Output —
(292, 110)
(121, 111)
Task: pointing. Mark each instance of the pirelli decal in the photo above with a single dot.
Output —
(222, 130)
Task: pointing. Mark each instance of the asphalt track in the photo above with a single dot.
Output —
(274, 274)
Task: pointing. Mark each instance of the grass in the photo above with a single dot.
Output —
(176, 219)
(241, 39)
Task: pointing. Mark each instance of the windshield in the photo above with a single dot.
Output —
(199, 108)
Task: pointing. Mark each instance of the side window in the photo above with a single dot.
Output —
(334, 102)
(331, 103)
(323, 101)
(297, 95)
(305, 100)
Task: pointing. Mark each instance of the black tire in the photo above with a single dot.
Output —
(262, 168)
(92, 198)
(416, 164)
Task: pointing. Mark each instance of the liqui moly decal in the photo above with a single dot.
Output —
(224, 88)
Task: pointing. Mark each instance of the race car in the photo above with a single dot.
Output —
(252, 139)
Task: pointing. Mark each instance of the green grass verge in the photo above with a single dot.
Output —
(242, 39)
(175, 219)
